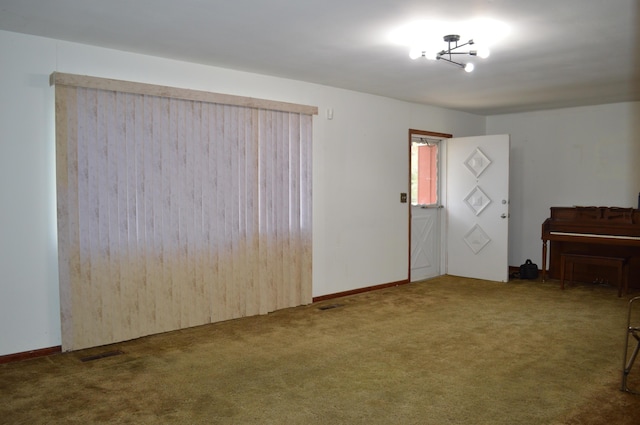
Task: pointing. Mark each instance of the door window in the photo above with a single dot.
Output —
(424, 171)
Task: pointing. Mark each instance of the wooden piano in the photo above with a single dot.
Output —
(597, 231)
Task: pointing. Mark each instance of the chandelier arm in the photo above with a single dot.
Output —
(450, 61)
(462, 45)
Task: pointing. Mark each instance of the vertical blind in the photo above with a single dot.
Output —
(175, 210)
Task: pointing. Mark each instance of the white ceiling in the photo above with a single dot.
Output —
(560, 53)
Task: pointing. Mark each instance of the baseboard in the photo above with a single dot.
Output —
(359, 291)
(25, 355)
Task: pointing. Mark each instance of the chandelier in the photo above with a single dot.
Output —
(452, 49)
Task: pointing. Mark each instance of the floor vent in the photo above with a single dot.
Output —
(102, 355)
(329, 307)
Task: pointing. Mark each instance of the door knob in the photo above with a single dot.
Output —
(503, 215)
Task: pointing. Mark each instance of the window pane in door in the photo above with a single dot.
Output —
(424, 173)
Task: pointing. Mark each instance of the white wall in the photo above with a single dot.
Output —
(566, 157)
(360, 168)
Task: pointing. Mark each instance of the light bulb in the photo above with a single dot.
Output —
(469, 67)
(483, 53)
(430, 54)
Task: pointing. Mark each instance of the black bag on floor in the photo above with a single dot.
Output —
(528, 270)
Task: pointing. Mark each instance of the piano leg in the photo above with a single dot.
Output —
(544, 259)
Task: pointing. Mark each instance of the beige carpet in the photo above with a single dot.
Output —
(443, 351)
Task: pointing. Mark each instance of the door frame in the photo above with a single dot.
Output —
(412, 133)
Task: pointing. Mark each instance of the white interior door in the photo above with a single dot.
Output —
(477, 207)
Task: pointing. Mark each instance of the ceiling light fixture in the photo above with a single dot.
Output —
(447, 55)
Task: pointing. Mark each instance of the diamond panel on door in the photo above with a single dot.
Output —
(476, 239)
(477, 162)
(477, 200)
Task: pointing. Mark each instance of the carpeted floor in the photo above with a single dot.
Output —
(443, 351)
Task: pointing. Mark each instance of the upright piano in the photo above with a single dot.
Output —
(598, 231)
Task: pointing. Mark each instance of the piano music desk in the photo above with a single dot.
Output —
(621, 264)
